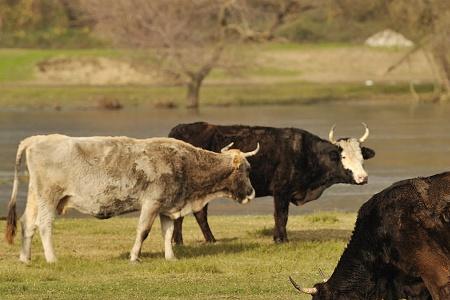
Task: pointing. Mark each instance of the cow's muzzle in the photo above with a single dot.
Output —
(361, 180)
(249, 197)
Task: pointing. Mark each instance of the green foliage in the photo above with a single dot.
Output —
(319, 27)
(18, 64)
(41, 24)
(19, 15)
(48, 24)
(56, 37)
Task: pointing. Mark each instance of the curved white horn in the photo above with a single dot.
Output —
(331, 135)
(247, 154)
(366, 133)
(227, 147)
(310, 291)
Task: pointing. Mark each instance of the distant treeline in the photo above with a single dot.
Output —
(44, 24)
(62, 24)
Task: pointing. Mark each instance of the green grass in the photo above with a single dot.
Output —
(293, 46)
(18, 65)
(243, 264)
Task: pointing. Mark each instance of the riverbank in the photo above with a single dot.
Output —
(23, 97)
(243, 264)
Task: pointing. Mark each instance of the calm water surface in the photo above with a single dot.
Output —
(409, 141)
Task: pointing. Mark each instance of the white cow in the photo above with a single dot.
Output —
(109, 176)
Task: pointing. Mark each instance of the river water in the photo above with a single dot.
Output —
(409, 141)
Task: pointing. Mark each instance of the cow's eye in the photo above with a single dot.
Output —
(334, 155)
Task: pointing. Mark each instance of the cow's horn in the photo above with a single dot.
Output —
(310, 291)
(247, 154)
(366, 133)
(226, 148)
(331, 135)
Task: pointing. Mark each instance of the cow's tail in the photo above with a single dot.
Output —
(11, 220)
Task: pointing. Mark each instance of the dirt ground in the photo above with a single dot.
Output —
(91, 71)
(350, 64)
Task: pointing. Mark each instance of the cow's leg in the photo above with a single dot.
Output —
(281, 217)
(45, 217)
(167, 232)
(149, 212)
(434, 270)
(28, 226)
(437, 282)
(202, 220)
(178, 231)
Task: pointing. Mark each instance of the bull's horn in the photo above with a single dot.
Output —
(247, 154)
(310, 291)
(331, 135)
(226, 148)
(366, 133)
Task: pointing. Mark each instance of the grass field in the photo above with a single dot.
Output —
(277, 74)
(85, 97)
(243, 264)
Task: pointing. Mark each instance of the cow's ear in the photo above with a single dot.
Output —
(367, 153)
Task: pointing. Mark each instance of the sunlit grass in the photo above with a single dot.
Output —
(243, 264)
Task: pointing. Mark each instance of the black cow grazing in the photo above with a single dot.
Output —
(400, 247)
(293, 165)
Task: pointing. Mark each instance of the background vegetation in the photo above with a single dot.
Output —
(234, 47)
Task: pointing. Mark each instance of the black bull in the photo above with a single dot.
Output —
(293, 166)
(400, 247)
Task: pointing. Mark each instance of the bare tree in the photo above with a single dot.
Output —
(259, 20)
(188, 38)
(426, 22)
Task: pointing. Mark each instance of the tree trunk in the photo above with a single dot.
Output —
(446, 75)
(440, 57)
(193, 92)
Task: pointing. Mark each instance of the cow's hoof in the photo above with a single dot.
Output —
(24, 260)
(52, 261)
(280, 240)
(177, 239)
(171, 258)
(135, 261)
(211, 240)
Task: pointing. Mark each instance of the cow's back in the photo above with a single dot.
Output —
(394, 230)
(407, 214)
(277, 147)
(106, 175)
